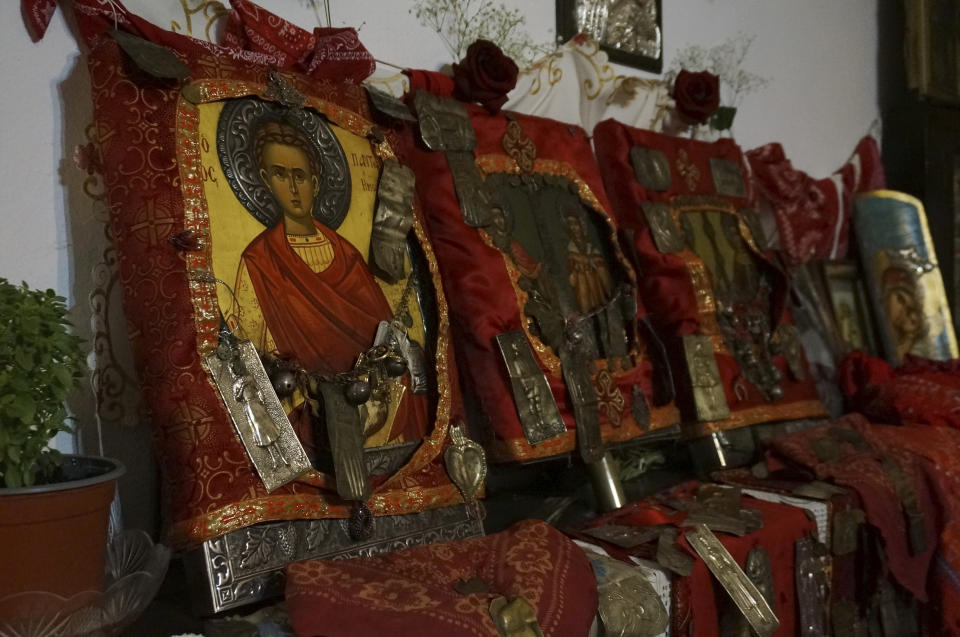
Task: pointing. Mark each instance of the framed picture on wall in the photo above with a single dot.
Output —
(630, 31)
(846, 295)
(932, 48)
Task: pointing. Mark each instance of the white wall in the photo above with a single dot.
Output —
(820, 55)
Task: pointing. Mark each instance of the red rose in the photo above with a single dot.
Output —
(484, 76)
(697, 95)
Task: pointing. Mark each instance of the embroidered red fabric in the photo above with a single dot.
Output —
(920, 391)
(861, 468)
(813, 215)
(668, 282)
(412, 592)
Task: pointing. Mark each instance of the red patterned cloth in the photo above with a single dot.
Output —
(938, 452)
(412, 592)
(695, 604)
(332, 53)
(813, 215)
(920, 391)
(858, 463)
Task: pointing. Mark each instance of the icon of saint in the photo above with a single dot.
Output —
(591, 281)
(302, 291)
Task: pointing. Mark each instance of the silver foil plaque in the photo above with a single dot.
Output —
(256, 412)
(539, 415)
(742, 591)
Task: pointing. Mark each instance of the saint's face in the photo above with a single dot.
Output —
(286, 171)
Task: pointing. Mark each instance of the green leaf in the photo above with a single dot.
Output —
(723, 118)
(12, 477)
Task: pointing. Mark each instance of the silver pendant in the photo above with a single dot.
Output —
(256, 412)
(539, 415)
(412, 352)
(392, 220)
(466, 463)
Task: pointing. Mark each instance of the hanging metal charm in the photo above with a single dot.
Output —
(577, 368)
(394, 335)
(445, 126)
(743, 592)
(813, 586)
(666, 235)
(154, 59)
(282, 90)
(537, 408)
(345, 431)
(392, 220)
(256, 412)
(708, 398)
(386, 104)
(651, 168)
(786, 341)
(466, 463)
(727, 178)
(629, 606)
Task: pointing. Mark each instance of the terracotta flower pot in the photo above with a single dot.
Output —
(53, 537)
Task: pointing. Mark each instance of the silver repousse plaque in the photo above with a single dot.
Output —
(261, 423)
(539, 415)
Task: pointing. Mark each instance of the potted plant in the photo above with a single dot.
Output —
(54, 508)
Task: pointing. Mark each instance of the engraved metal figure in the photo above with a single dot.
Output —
(624, 536)
(265, 433)
(709, 400)
(744, 593)
(537, 408)
(256, 412)
(651, 168)
(392, 220)
(394, 334)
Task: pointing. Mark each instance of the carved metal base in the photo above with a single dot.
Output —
(247, 566)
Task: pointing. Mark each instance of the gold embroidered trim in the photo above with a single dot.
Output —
(189, 533)
(519, 449)
(756, 415)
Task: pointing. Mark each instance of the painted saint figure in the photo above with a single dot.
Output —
(591, 281)
(302, 291)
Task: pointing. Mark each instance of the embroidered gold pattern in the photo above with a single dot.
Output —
(687, 170)
(609, 397)
(519, 147)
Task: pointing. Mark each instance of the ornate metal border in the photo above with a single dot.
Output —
(247, 566)
(568, 26)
